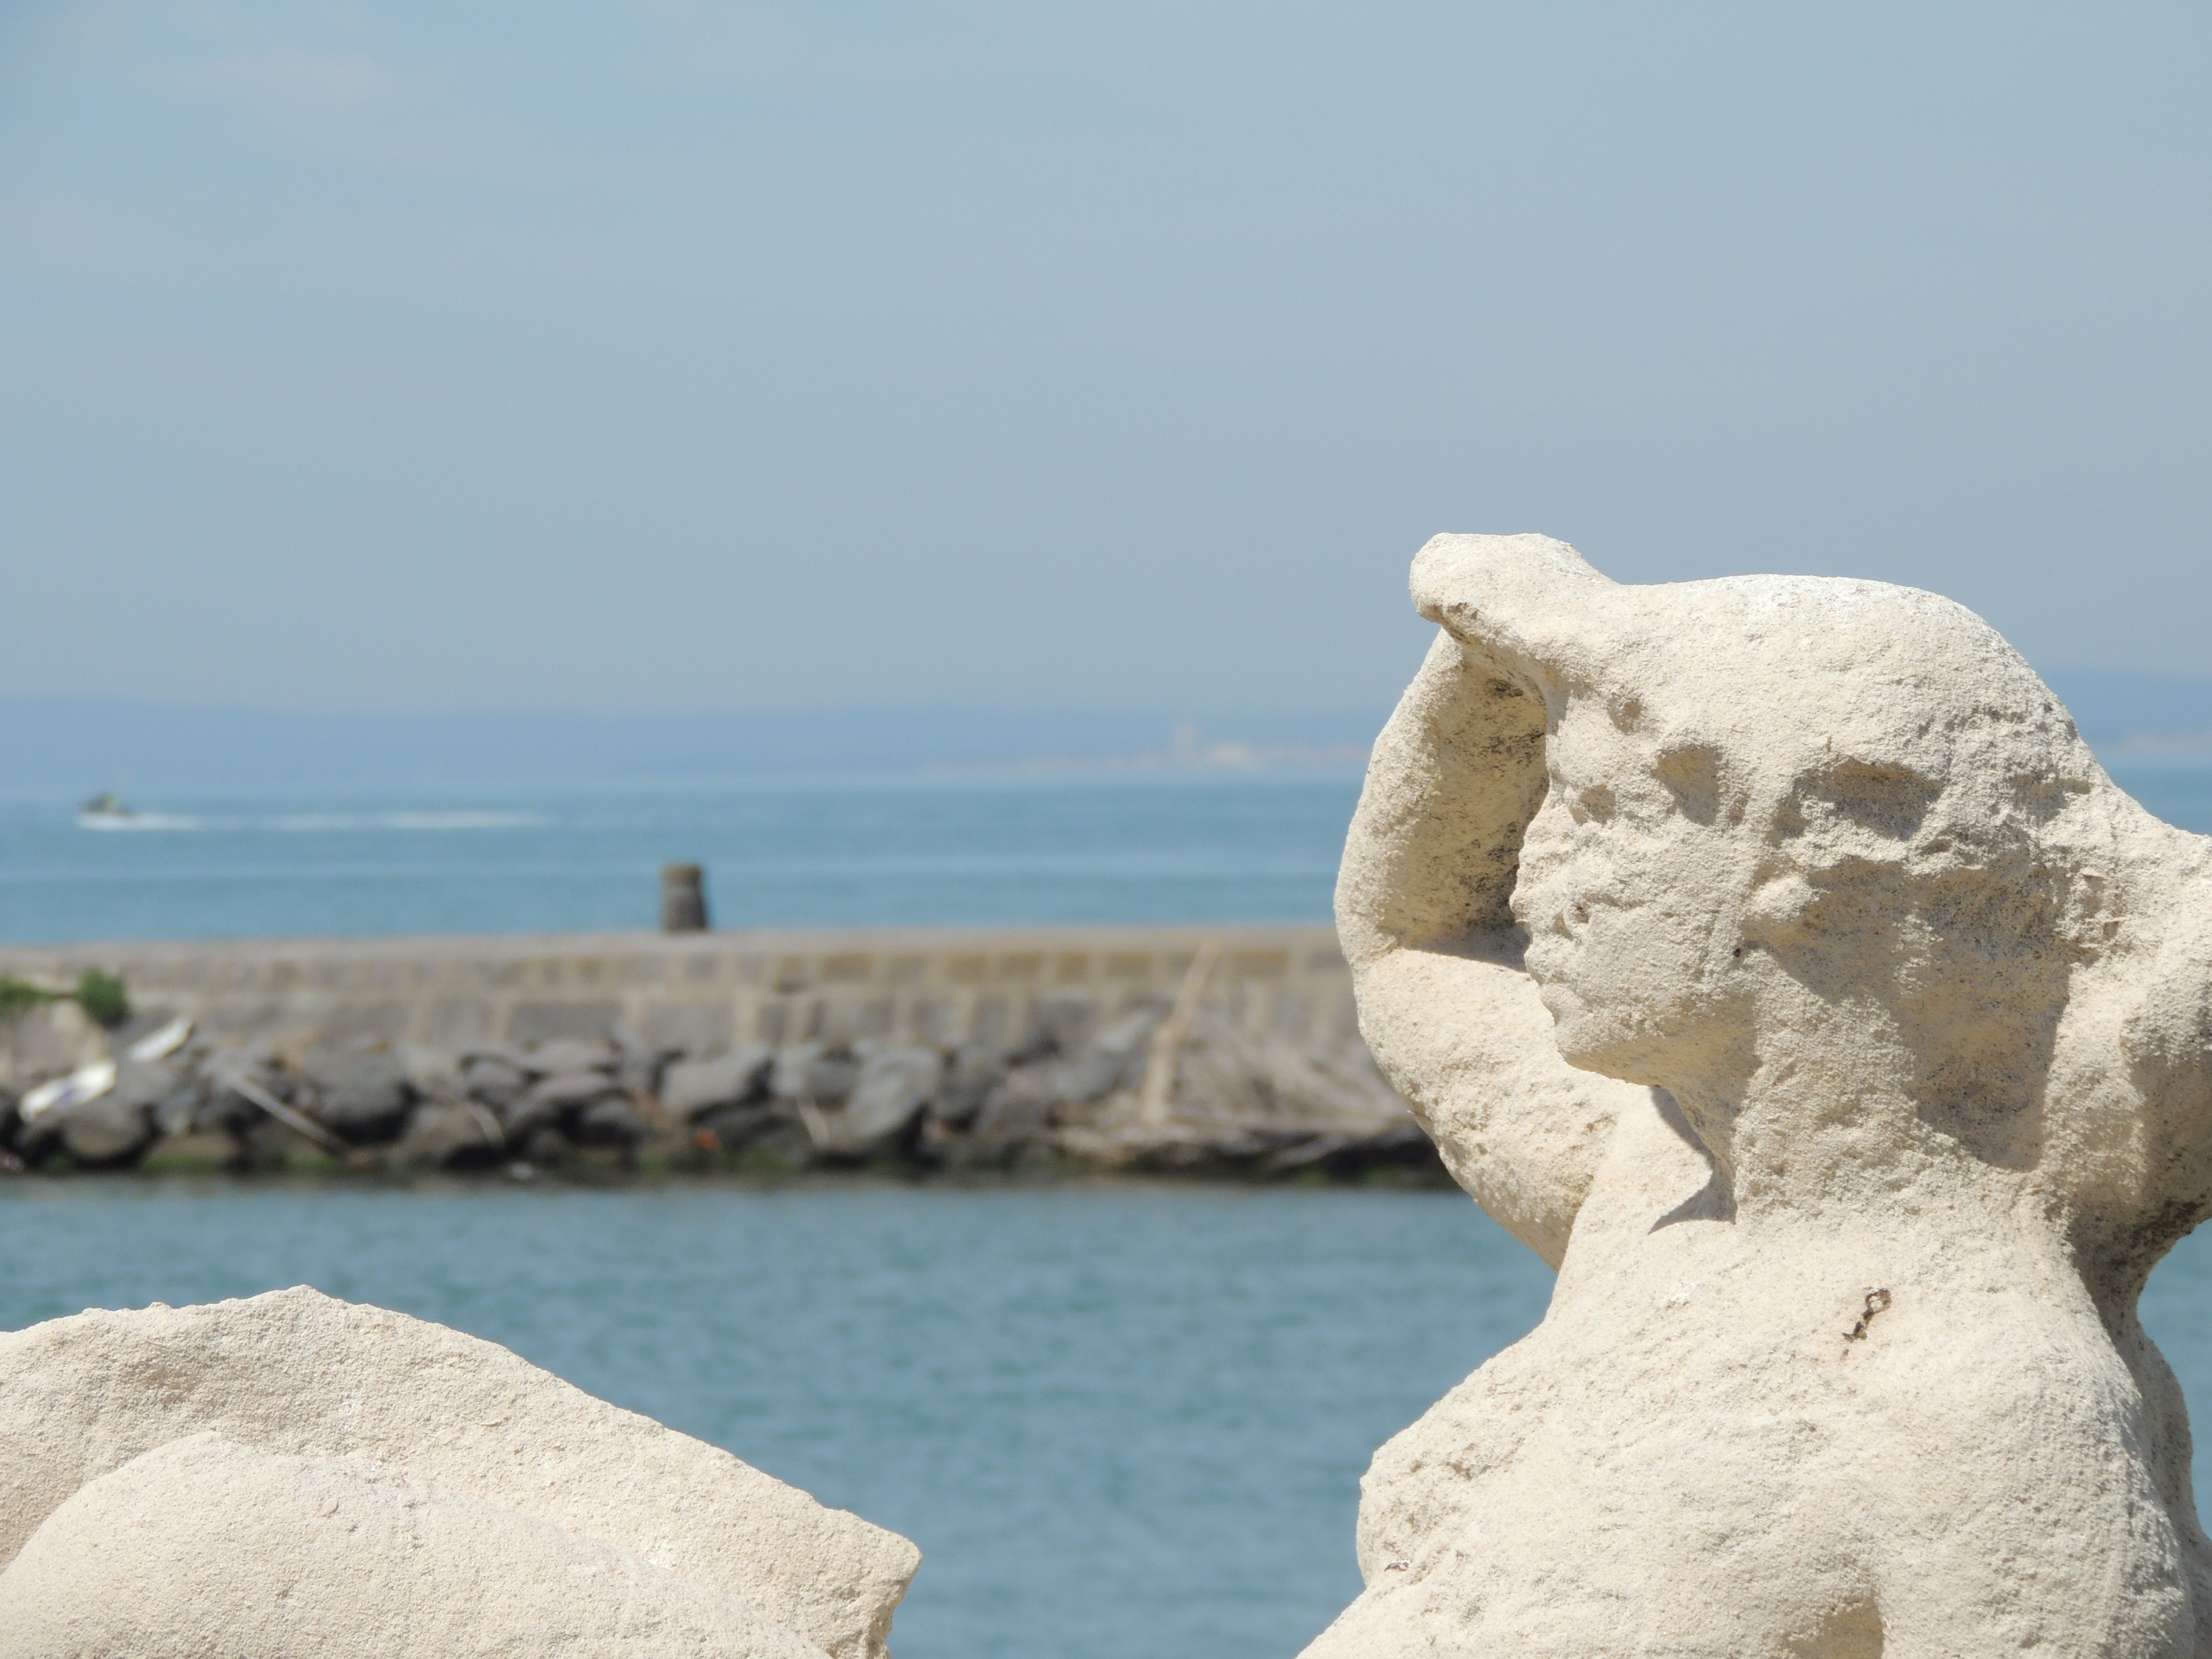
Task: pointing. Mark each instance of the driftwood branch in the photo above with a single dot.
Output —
(1174, 1032)
(290, 1117)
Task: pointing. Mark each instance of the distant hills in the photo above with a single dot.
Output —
(73, 745)
(2116, 710)
(81, 745)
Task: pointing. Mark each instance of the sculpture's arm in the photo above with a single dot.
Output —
(1422, 909)
(2146, 1181)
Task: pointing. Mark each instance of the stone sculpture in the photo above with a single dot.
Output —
(293, 1474)
(1771, 957)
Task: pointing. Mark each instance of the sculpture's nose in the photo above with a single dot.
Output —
(1543, 902)
(1549, 918)
(1551, 909)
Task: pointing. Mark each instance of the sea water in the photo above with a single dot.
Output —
(858, 852)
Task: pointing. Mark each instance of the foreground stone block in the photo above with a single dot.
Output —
(204, 1546)
(1771, 956)
(298, 1375)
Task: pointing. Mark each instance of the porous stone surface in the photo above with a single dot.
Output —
(822, 1073)
(363, 1094)
(108, 1129)
(559, 1100)
(206, 1547)
(894, 1086)
(692, 1088)
(493, 1081)
(450, 1133)
(298, 1374)
(1771, 957)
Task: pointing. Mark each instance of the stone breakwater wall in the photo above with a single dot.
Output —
(1103, 1047)
(694, 991)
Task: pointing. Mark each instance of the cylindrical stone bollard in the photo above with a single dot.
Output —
(683, 899)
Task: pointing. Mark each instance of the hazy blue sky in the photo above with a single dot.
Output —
(674, 355)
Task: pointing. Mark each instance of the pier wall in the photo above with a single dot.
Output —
(696, 992)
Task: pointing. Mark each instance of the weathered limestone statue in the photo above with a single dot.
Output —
(293, 1475)
(1771, 956)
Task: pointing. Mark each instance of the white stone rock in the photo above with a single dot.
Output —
(300, 1375)
(1770, 955)
(692, 1088)
(205, 1547)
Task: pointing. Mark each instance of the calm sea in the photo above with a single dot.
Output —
(838, 851)
(1119, 1419)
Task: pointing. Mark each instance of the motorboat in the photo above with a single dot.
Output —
(105, 811)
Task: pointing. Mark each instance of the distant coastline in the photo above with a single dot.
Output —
(75, 746)
(2151, 743)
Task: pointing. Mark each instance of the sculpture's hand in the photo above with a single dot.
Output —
(2141, 1175)
(1422, 909)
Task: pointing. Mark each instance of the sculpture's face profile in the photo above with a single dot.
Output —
(1669, 885)
(1633, 889)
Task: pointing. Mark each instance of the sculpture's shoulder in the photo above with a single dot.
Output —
(1718, 1421)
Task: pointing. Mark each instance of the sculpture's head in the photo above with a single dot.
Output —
(1768, 788)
